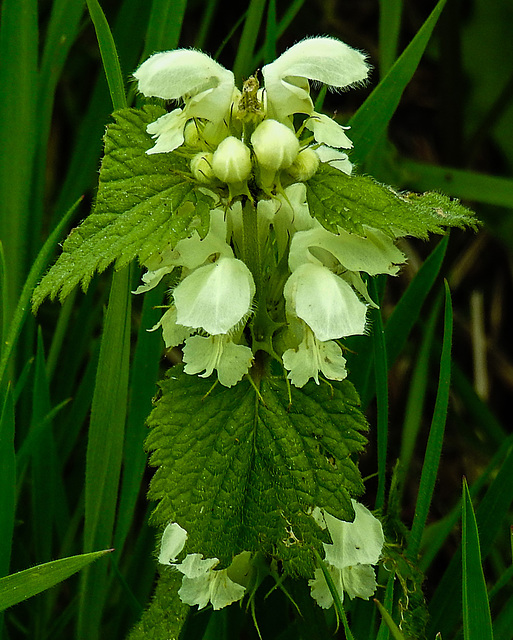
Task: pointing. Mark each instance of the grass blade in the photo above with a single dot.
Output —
(436, 434)
(18, 126)
(109, 55)
(25, 584)
(104, 448)
(7, 481)
(389, 26)
(22, 307)
(381, 379)
(164, 26)
(370, 121)
(242, 66)
(477, 621)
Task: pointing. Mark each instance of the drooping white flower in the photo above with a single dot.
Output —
(206, 87)
(355, 547)
(324, 60)
(215, 297)
(323, 300)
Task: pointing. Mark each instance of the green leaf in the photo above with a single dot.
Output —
(241, 474)
(145, 202)
(477, 622)
(25, 584)
(350, 202)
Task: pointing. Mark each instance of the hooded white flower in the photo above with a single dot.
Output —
(206, 87)
(329, 309)
(215, 297)
(355, 547)
(325, 60)
(201, 583)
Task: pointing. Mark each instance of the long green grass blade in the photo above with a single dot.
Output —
(18, 126)
(164, 26)
(104, 448)
(25, 584)
(242, 65)
(381, 381)
(389, 621)
(436, 434)
(445, 605)
(477, 621)
(7, 481)
(23, 305)
(470, 185)
(109, 55)
(389, 26)
(370, 121)
(143, 384)
(407, 311)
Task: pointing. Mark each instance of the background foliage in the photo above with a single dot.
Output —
(73, 471)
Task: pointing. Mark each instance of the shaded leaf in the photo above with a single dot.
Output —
(238, 474)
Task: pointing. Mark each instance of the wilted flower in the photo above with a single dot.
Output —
(201, 582)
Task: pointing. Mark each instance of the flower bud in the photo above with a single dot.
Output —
(201, 167)
(232, 161)
(191, 135)
(304, 166)
(275, 145)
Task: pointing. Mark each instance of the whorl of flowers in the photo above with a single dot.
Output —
(267, 277)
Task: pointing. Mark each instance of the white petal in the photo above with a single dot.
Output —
(215, 297)
(319, 589)
(195, 591)
(357, 542)
(312, 357)
(173, 541)
(335, 158)
(152, 278)
(373, 254)
(232, 361)
(325, 60)
(168, 130)
(328, 132)
(194, 566)
(172, 333)
(173, 74)
(327, 304)
(359, 581)
(223, 591)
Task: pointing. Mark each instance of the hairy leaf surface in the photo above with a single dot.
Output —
(241, 474)
(144, 203)
(351, 202)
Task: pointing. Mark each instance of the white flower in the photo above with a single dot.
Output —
(215, 297)
(201, 583)
(329, 309)
(220, 353)
(355, 547)
(327, 304)
(335, 158)
(206, 87)
(325, 60)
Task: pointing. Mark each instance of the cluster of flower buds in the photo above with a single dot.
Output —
(267, 277)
